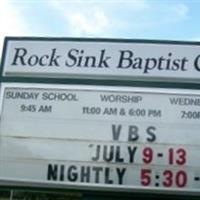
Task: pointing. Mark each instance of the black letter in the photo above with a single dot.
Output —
(196, 63)
(52, 172)
(107, 176)
(97, 175)
(128, 58)
(62, 169)
(102, 61)
(52, 59)
(117, 156)
(97, 153)
(85, 174)
(19, 56)
(41, 60)
(108, 155)
(132, 153)
(150, 132)
(72, 57)
(33, 60)
(148, 67)
(116, 131)
(72, 176)
(184, 60)
(133, 133)
(121, 173)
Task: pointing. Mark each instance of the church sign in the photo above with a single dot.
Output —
(100, 137)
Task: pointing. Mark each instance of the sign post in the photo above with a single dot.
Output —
(100, 138)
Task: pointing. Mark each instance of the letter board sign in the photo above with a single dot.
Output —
(107, 138)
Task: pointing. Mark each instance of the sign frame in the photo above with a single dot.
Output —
(114, 77)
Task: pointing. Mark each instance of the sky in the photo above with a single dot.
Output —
(133, 19)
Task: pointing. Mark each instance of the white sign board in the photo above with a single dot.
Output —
(102, 59)
(105, 138)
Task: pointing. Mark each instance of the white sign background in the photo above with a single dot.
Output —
(178, 69)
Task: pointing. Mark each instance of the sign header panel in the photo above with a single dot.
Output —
(103, 59)
(105, 138)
